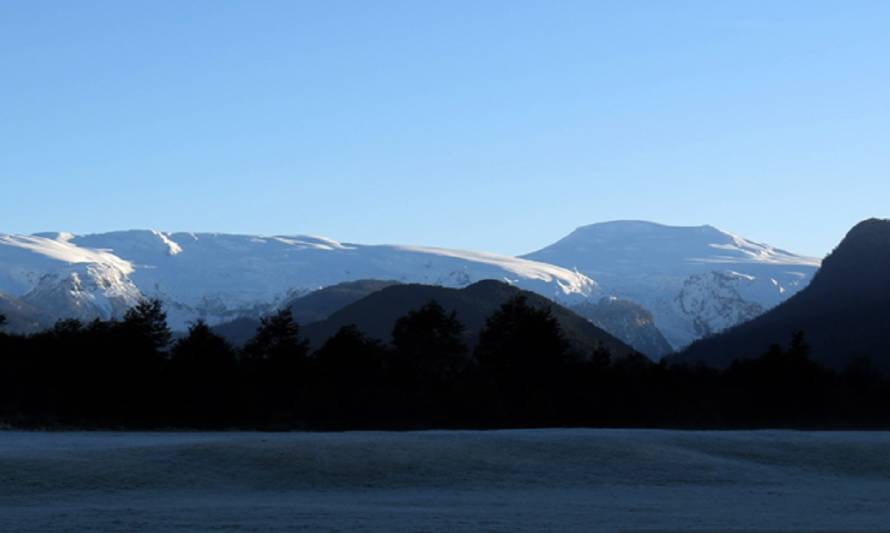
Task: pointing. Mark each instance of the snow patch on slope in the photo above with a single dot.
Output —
(304, 242)
(172, 247)
(741, 250)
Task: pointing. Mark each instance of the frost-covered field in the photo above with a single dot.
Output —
(535, 480)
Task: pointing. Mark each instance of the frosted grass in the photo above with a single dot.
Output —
(527, 480)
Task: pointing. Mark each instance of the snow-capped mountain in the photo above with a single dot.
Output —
(694, 280)
(219, 277)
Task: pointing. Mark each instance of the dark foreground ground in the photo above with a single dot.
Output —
(528, 480)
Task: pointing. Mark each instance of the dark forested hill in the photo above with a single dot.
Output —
(312, 307)
(844, 313)
(377, 313)
(320, 304)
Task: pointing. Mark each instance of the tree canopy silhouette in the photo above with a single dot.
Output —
(146, 324)
(430, 340)
(127, 374)
(277, 341)
(524, 355)
(202, 374)
(521, 341)
(277, 363)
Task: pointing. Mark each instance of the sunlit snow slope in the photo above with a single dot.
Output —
(64, 280)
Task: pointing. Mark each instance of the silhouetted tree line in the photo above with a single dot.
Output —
(521, 373)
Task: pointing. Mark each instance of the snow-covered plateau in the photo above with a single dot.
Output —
(218, 277)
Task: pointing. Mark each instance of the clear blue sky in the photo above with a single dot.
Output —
(481, 124)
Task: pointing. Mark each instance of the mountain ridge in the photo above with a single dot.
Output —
(693, 280)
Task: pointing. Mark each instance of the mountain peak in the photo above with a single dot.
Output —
(860, 259)
(632, 225)
(629, 244)
(694, 279)
(870, 232)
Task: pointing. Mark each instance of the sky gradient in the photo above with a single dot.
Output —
(498, 126)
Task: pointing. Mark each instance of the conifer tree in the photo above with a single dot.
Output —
(430, 341)
(277, 341)
(146, 323)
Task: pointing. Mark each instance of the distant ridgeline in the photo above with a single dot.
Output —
(386, 355)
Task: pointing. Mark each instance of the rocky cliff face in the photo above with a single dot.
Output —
(628, 321)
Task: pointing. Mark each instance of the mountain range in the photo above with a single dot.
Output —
(656, 287)
(218, 277)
